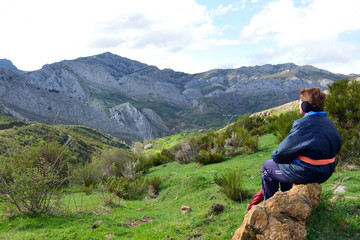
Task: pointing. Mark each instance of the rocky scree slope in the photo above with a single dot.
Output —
(132, 100)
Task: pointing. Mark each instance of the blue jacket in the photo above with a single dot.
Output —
(314, 136)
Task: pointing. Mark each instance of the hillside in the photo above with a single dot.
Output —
(120, 195)
(85, 141)
(191, 185)
(133, 101)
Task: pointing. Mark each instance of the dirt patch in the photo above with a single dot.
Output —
(136, 222)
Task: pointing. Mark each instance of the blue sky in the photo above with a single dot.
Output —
(188, 35)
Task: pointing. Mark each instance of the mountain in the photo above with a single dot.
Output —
(132, 100)
(5, 63)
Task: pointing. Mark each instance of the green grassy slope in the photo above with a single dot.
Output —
(191, 185)
(85, 141)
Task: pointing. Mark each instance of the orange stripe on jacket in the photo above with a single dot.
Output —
(316, 162)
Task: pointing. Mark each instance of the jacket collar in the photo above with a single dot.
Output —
(323, 114)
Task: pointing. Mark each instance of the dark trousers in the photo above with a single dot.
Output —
(272, 178)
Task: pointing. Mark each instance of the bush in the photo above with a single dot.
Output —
(164, 156)
(343, 103)
(343, 106)
(206, 157)
(230, 185)
(282, 124)
(118, 162)
(154, 186)
(188, 152)
(254, 124)
(30, 181)
(88, 175)
(350, 151)
(126, 188)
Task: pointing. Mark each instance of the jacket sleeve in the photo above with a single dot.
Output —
(291, 146)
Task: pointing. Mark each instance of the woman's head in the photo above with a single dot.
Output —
(312, 99)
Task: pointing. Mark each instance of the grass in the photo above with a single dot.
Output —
(170, 141)
(191, 185)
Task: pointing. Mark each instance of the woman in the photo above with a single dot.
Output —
(308, 152)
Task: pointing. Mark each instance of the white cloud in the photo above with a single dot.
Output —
(40, 31)
(308, 33)
(221, 10)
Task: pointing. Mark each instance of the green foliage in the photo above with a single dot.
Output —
(254, 124)
(85, 141)
(231, 185)
(165, 156)
(281, 125)
(350, 151)
(206, 148)
(343, 106)
(154, 185)
(182, 184)
(334, 220)
(117, 162)
(206, 157)
(126, 188)
(29, 181)
(343, 103)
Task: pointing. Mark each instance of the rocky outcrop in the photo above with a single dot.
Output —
(156, 121)
(127, 115)
(283, 216)
(85, 91)
(7, 64)
(192, 94)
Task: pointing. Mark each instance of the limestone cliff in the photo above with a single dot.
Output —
(89, 90)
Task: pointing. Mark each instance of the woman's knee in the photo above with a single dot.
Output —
(269, 164)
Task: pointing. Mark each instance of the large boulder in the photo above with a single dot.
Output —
(284, 216)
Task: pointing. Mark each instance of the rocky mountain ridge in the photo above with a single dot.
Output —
(132, 100)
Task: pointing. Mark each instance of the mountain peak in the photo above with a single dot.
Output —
(5, 63)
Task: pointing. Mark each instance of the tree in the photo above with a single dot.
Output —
(343, 103)
(29, 181)
(343, 106)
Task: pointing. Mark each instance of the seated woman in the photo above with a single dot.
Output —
(307, 154)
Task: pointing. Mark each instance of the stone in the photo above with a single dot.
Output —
(283, 216)
(185, 209)
(340, 189)
(148, 146)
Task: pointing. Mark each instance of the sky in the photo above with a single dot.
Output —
(191, 36)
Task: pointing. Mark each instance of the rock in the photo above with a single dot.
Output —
(127, 115)
(283, 216)
(185, 209)
(155, 120)
(148, 146)
(340, 189)
(192, 94)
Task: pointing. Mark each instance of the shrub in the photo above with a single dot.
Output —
(188, 152)
(154, 185)
(126, 188)
(88, 175)
(206, 157)
(343, 103)
(230, 185)
(343, 106)
(350, 151)
(282, 124)
(165, 156)
(30, 181)
(254, 124)
(118, 162)
(133, 189)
